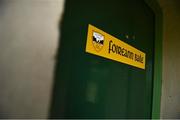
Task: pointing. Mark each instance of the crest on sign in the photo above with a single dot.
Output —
(98, 41)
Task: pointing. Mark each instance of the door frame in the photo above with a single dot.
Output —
(157, 78)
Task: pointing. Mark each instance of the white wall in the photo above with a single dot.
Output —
(170, 100)
(28, 41)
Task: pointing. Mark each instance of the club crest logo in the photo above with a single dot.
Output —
(98, 41)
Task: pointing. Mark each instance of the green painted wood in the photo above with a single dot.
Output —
(89, 86)
(158, 58)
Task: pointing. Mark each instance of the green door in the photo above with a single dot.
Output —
(90, 86)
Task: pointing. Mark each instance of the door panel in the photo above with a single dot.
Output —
(89, 86)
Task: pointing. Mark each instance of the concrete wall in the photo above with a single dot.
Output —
(28, 41)
(170, 100)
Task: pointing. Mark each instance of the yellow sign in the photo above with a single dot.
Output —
(105, 45)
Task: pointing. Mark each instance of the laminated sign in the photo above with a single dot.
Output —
(105, 45)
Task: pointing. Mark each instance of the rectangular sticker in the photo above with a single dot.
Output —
(105, 45)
